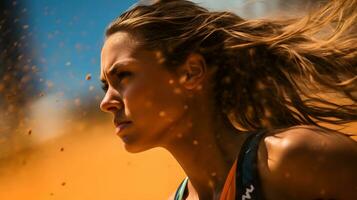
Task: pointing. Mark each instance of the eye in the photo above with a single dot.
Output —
(123, 74)
(120, 77)
(105, 87)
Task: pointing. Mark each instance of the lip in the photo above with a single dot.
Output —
(121, 126)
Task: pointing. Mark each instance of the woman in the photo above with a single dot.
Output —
(236, 101)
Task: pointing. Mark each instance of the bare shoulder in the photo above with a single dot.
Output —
(306, 162)
(307, 139)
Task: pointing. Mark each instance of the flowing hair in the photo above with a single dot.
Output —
(270, 73)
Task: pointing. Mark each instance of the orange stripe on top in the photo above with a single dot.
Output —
(229, 188)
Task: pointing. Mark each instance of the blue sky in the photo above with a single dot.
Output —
(67, 38)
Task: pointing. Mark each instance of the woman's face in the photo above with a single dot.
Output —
(139, 89)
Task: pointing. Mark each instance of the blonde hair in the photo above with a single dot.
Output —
(268, 71)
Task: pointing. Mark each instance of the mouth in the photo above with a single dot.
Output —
(120, 126)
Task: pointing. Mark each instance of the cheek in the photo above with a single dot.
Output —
(154, 104)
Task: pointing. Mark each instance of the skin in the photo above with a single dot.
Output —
(175, 111)
(306, 162)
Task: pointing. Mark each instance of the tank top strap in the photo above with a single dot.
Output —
(247, 176)
(181, 189)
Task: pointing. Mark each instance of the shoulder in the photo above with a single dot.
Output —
(305, 162)
(306, 141)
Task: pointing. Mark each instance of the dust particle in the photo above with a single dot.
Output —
(77, 101)
(88, 77)
(177, 91)
(287, 175)
(211, 184)
(182, 79)
(162, 114)
(322, 192)
(49, 84)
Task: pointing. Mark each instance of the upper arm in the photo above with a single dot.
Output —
(305, 164)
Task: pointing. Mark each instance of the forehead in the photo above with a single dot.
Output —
(121, 47)
(119, 41)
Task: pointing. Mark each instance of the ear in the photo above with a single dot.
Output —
(193, 71)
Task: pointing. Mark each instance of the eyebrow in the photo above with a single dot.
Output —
(115, 67)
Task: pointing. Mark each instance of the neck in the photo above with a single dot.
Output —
(206, 150)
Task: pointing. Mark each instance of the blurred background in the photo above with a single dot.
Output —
(54, 141)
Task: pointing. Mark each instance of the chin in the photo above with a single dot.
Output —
(135, 148)
(136, 143)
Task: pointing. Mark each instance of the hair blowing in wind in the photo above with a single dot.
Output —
(270, 72)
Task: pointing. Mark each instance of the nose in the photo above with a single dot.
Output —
(111, 103)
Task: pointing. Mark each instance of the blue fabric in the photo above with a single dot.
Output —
(247, 176)
(181, 189)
